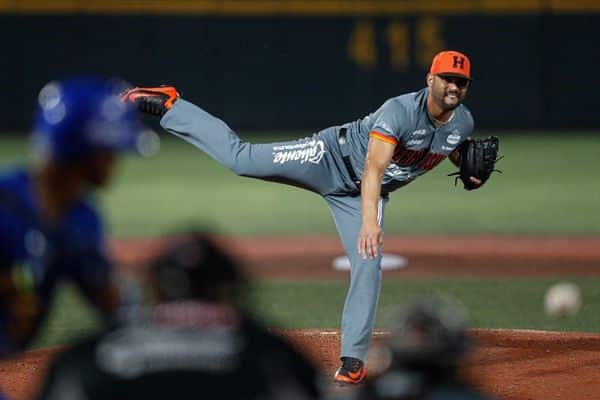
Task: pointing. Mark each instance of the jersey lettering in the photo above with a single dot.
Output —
(404, 157)
(432, 160)
(311, 151)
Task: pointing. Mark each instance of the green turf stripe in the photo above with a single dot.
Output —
(493, 303)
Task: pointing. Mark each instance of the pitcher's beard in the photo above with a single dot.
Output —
(448, 106)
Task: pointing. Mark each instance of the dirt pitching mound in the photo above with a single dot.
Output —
(515, 365)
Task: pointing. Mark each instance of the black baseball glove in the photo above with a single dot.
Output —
(477, 159)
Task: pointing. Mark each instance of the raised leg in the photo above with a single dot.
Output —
(305, 162)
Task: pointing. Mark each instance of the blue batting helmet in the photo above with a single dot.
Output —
(77, 116)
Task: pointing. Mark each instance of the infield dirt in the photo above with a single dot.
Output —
(509, 364)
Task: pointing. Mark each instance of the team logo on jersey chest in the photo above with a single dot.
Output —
(454, 137)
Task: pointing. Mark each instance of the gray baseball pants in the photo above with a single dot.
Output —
(314, 163)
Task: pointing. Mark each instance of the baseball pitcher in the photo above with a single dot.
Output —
(354, 167)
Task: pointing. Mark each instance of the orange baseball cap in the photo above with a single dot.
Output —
(452, 63)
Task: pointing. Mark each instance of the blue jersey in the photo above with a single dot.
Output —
(35, 256)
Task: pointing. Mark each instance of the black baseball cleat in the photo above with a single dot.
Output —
(152, 100)
(352, 372)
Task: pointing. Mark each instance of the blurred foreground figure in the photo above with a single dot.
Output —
(427, 344)
(195, 342)
(50, 229)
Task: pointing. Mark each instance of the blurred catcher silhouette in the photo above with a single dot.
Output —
(50, 229)
(427, 344)
(193, 339)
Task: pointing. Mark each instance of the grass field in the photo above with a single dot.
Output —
(492, 303)
(549, 186)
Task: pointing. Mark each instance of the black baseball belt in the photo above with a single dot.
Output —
(345, 150)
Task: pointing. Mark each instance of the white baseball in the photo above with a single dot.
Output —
(562, 299)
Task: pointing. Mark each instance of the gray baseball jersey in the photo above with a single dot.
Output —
(319, 163)
(420, 145)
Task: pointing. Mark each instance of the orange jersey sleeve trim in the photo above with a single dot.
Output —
(383, 138)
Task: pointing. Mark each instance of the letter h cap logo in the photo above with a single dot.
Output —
(459, 62)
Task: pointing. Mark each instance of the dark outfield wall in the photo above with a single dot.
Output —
(267, 73)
